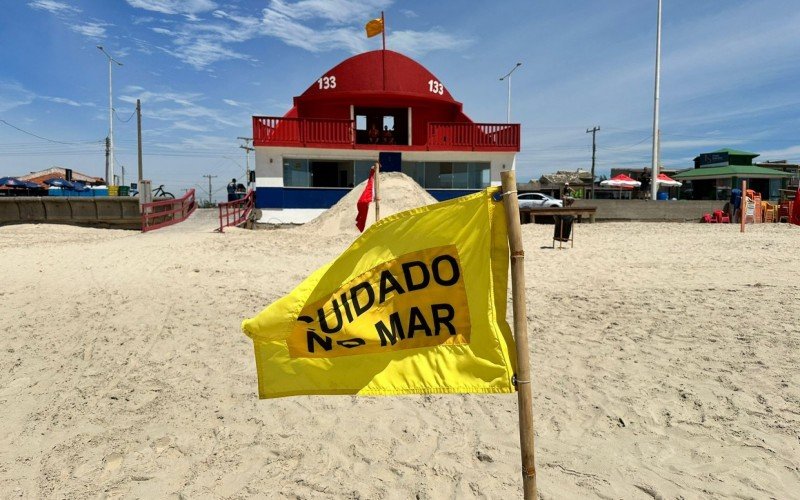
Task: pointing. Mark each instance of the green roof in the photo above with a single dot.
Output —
(736, 152)
(746, 171)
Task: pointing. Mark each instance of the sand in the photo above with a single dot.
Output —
(664, 357)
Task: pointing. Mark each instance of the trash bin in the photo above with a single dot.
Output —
(113, 190)
(124, 190)
(563, 227)
(663, 196)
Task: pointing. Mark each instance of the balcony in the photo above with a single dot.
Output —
(340, 134)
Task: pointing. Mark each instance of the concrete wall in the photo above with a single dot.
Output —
(645, 210)
(115, 212)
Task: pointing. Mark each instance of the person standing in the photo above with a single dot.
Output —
(232, 190)
(568, 195)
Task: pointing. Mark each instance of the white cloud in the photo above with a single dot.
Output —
(292, 32)
(231, 102)
(791, 152)
(68, 102)
(53, 6)
(12, 95)
(409, 13)
(335, 11)
(90, 29)
(174, 6)
(421, 42)
(183, 110)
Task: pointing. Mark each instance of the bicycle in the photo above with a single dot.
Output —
(157, 193)
(160, 193)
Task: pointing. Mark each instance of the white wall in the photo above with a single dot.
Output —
(269, 160)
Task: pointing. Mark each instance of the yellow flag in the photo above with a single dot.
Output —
(374, 27)
(416, 305)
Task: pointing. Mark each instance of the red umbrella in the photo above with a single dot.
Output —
(665, 180)
(621, 180)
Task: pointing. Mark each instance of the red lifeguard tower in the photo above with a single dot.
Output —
(375, 102)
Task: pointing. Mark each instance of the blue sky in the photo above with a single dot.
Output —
(730, 73)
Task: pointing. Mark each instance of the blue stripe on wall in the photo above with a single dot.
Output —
(281, 197)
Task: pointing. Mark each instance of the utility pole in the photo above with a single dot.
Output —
(593, 131)
(656, 131)
(108, 147)
(247, 148)
(209, 187)
(110, 163)
(123, 175)
(139, 135)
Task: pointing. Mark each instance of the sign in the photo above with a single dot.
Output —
(712, 160)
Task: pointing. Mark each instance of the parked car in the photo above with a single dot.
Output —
(538, 200)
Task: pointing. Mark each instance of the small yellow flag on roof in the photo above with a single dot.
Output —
(416, 305)
(374, 27)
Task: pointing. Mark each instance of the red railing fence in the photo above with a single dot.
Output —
(442, 136)
(163, 213)
(233, 213)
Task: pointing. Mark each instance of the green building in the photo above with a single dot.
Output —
(716, 173)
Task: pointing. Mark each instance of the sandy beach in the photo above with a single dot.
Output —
(664, 357)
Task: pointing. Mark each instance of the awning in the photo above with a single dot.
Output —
(742, 171)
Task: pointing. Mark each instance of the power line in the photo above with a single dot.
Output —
(124, 121)
(39, 136)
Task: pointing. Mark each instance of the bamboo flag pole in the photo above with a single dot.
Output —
(377, 197)
(509, 181)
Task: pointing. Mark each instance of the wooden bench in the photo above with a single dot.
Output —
(529, 214)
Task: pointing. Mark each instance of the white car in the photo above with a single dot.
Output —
(538, 200)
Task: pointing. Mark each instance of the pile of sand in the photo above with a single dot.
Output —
(398, 192)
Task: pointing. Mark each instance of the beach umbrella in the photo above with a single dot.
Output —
(32, 185)
(12, 182)
(665, 180)
(621, 181)
(61, 183)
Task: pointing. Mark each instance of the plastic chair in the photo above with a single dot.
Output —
(707, 219)
(720, 217)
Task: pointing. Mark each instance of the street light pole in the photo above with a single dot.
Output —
(508, 77)
(110, 167)
(656, 131)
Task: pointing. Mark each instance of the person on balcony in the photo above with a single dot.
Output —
(374, 134)
(387, 137)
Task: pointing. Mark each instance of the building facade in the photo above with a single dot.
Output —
(716, 173)
(372, 103)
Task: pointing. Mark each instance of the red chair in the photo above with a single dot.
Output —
(707, 219)
(719, 217)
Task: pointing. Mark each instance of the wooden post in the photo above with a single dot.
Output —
(524, 400)
(743, 206)
(377, 185)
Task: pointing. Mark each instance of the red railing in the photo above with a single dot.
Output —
(163, 213)
(455, 136)
(474, 136)
(274, 131)
(233, 213)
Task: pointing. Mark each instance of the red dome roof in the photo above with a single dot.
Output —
(363, 75)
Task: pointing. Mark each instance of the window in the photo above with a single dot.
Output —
(295, 173)
(361, 122)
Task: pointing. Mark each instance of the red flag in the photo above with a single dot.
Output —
(364, 201)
